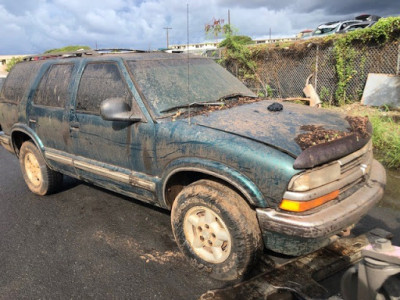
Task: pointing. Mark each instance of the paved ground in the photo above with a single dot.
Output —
(86, 242)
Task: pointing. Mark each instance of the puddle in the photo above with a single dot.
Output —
(391, 197)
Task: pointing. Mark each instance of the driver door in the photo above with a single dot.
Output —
(99, 144)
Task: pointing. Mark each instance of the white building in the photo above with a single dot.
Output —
(193, 48)
(275, 40)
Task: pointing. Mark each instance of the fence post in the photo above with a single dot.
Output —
(398, 60)
(316, 69)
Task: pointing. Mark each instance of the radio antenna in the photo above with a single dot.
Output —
(187, 50)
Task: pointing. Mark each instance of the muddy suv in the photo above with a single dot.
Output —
(238, 173)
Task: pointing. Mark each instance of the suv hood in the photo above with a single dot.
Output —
(276, 129)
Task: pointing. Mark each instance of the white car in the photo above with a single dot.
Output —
(333, 27)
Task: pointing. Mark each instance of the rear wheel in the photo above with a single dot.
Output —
(216, 229)
(39, 178)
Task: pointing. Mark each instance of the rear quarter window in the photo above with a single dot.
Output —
(19, 80)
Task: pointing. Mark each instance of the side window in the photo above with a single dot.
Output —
(19, 80)
(99, 82)
(53, 88)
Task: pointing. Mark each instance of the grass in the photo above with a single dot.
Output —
(386, 135)
(67, 49)
(386, 140)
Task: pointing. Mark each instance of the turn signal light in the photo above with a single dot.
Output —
(299, 206)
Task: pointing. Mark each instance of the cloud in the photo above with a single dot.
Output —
(254, 4)
(33, 26)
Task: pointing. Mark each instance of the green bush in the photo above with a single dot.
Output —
(12, 62)
(67, 49)
(347, 45)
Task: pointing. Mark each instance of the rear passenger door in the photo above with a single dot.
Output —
(102, 143)
(47, 115)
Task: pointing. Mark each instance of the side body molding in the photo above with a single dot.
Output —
(215, 169)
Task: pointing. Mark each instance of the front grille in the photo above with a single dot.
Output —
(352, 164)
(356, 165)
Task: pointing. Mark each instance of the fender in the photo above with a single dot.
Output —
(19, 127)
(216, 169)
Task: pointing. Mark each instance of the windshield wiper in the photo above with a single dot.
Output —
(234, 95)
(193, 104)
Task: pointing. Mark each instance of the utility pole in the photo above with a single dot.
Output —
(167, 28)
(229, 17)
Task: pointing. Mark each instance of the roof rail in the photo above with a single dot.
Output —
(119, 50)
(79, 53)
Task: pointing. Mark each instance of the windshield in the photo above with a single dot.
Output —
(168, 83)
(325, 29)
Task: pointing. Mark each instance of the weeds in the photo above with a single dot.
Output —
(386, 131)
(386, 140)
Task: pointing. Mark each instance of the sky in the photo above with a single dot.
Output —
(34, 26)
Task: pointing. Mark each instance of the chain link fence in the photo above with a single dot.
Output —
(282, 73)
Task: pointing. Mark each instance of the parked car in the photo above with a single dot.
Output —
(333, 27)
(238, 173)
(368, 18)
(357, 26)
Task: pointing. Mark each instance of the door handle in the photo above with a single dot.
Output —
(74, 125)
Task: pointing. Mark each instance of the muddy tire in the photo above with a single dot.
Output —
(39, 178)
(216, 230)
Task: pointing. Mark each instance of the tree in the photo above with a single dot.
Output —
(240, 39)
(214, 27)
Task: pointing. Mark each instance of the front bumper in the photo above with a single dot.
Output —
(327, 221)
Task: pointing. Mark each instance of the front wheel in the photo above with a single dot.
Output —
(39, 178)
(216, 229)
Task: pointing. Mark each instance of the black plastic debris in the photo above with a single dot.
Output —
(275, 107)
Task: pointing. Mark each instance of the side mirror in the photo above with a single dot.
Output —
(116, 109)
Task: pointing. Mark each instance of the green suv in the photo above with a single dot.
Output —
(240, 174)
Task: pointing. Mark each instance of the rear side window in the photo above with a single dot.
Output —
(19, 80)
(53, 88)
(99, 82)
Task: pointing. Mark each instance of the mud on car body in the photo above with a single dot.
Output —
(185, 135)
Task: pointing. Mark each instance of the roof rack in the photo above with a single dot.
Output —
(119, 50)
(80, 53)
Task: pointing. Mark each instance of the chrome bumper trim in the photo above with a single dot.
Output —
(331, 219)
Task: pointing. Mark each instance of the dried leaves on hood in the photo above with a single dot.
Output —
(316, 134)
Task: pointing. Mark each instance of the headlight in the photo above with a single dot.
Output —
(315, 178)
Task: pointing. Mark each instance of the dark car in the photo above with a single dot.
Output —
(359, 22)
(357, 26)
(368, 18)
(237, 172)
(333, 27)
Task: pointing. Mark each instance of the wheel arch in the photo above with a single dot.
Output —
(21, 134)
(183, 175)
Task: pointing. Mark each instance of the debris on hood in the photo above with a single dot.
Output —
(359, 125)
(204, 110)
(322, 146)
(317, 135)
(275, 107)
